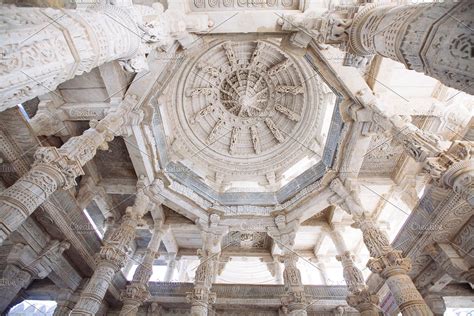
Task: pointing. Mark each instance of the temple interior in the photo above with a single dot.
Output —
(237, 157)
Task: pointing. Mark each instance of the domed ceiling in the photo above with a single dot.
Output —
(245, 111)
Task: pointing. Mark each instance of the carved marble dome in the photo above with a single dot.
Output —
(246, 110)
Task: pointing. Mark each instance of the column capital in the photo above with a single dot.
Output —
(135, 293)
(374, 238)
(330, 28)
(389, 264)
(56, 162)
(365, 302)
(48, 120)
(454, 168)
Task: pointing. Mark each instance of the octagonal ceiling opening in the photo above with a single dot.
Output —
(246, 116)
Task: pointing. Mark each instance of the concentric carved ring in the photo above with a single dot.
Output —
(244, 93)
(239, 106)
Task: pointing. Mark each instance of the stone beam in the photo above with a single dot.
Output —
(138, 148)
(118, 186)
(84, 111)
(354, 151)
(308, 209)
(115, 79)
(170, 242)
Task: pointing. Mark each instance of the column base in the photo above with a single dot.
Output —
(129, 310)
(298, 312)
(199, 310)
(374, 311)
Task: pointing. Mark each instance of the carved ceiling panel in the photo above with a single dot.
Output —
(245, 111)
(247, 240)
(236, 5)
(381, 157)
(115, 162)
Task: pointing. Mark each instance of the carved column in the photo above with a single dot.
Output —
(436, 304)
(13, 280)
(64, 304)
(56, 168)
(74, 42)
(112, 256)
(67, 299)
(201, 296)
(393, 267)
(386, 261)
(43, 47)
(424, 37)
(295, 298)
(360, 297)
(137, 292)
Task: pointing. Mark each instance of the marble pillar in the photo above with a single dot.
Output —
(201, 296)
(390, 264)
(112, 256)
(136, 293)
(359, 295)
(43, 47)
(436, 304)
(64, 303)
(23, 265)
(425, 37)
(14, 279)
(385, 261)
(295, 298)
(433, 38)
(66, 299)
(56, 168)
